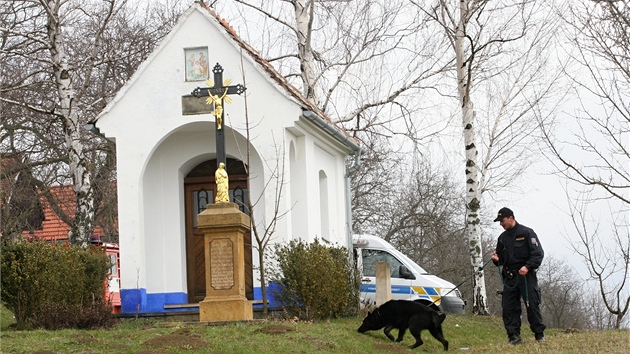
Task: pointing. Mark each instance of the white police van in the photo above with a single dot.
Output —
(408, 280)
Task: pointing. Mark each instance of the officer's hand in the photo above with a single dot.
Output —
(495, 257)
(523, 271)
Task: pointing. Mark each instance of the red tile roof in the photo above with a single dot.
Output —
(53, 227)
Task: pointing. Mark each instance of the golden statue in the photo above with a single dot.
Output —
(222, 181)
(218, 101)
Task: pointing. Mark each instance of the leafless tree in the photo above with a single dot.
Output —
(425, 220)
(66, 83)
(592, 152)
(563, 304)
(61, 62)
(421, 218)
(374, 185)
(265, 229)
(599, 33)
(606, 256)
(598, 316)
(273, 190)
(20, 208)
(500, 53)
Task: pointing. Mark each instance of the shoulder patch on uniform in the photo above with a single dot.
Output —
(534, 241)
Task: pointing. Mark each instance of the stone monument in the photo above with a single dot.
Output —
(224, 226)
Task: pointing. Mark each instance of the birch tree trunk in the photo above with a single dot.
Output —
(304, 23)
(464, 59)
(84, 216)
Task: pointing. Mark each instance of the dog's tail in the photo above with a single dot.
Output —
(438, 318)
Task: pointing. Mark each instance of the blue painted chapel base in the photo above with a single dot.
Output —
(138, 301)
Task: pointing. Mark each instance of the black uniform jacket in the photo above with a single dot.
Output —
(519, 246)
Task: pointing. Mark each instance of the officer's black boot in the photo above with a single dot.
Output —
(514, 338)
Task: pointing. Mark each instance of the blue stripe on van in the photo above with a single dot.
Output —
(371, 288)
(431, 291)
(406, 290)
(396, 289)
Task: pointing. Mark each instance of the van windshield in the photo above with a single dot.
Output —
(413, 264)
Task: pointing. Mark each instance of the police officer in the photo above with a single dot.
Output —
(519, 253)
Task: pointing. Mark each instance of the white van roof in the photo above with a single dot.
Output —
(361, 241)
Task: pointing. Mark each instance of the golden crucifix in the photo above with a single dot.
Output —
(218, 101)
(216, 95)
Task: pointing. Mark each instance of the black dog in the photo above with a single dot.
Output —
(404, 314)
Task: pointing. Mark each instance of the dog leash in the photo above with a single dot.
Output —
(502, 281)
(485, 264)
(515, 284)
(460, 284)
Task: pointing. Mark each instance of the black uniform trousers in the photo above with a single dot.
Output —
(515, 289)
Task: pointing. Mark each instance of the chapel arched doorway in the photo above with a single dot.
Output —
(200, 190)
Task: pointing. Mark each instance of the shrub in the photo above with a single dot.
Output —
(54, 287)
(94, 314)
(314, 281)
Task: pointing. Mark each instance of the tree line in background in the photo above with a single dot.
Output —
(407, 79)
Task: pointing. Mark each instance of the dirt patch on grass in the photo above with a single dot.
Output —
(275, 329)
(185, 331)
(321, 343)
(177, 340)
(85, 339)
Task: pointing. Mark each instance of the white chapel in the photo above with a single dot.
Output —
(166, 145)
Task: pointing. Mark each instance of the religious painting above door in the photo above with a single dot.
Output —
(196, 63)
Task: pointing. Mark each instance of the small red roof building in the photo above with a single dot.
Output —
(42, 223)
(54, 229)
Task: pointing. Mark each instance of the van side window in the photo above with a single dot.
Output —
(371, 257)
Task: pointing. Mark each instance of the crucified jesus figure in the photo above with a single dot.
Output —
(218, 106)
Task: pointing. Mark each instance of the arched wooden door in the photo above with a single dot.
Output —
(200, 190)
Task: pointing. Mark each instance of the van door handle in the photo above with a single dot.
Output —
(365, 280)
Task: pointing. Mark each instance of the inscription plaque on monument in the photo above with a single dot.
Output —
(224, 227)
(221, 264)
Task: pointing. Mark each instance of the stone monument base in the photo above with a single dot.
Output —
(224, 226)
(228, 308)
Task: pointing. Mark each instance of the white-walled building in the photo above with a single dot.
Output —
(166, 158)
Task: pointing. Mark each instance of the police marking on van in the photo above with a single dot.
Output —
(431, 294)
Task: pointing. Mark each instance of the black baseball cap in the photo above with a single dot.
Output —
(503, 213)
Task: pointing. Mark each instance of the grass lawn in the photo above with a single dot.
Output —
(467, 333)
